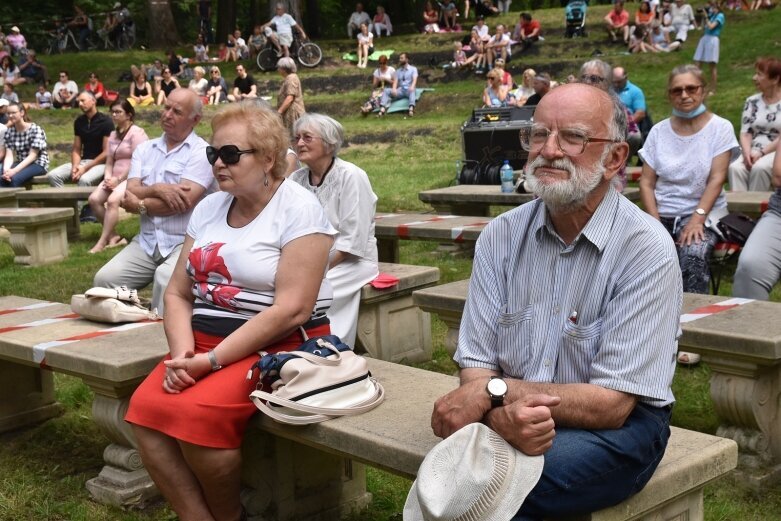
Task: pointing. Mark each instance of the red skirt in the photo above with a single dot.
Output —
(215, 411)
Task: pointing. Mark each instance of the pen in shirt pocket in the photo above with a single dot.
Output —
(573, 317)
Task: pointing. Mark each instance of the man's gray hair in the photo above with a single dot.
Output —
(89, 93)
(617, 126)
(605, 70)
(324, 127)
(287, 64)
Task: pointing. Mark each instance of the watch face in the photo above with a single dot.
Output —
(497, 387)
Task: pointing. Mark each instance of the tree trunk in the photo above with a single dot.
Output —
(226, 19)
(312, 25)
(162, 29)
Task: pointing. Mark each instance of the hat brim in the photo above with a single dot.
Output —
(525, 475)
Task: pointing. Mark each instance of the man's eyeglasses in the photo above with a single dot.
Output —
(230, 154)
(591, 78)
(571, 142)
(690, 90)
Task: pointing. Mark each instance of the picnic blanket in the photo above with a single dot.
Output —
(401, 105)
(353, 57)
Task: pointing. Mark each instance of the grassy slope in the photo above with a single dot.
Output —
(42, 470)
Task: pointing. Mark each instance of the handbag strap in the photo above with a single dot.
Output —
(316, 414)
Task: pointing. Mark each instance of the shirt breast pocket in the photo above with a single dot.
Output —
(579, 346)
(173, 171)
(147, 176)
(514, 337)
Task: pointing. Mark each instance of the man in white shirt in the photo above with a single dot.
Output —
(498, 46)
(282, 36)
(168, 177)
(682, 19)
(356, 19)
(482, 30)
(65, 92)
(241, 45)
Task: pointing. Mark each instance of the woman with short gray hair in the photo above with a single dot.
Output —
(290, 100)
(346, 194)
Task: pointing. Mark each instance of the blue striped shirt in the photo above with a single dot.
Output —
(603, 310)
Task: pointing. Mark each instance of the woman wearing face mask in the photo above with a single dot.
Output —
(685, 161)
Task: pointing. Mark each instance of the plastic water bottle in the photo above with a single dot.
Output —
(506, 175)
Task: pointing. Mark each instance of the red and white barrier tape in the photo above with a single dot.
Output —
(457, 233)
(27, 308)
(402, 230)
(39, 350)
(712, 309)
(42, 322)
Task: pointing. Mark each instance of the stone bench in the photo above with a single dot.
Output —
(740, 340)
(8, 197)
(459, 231)
(37, 235)
(38, 337)
(67, 196)
(327, 460)
(478, 199)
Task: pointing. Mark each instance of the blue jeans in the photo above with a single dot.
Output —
(401, 92)
(588, 470)
(20, 178)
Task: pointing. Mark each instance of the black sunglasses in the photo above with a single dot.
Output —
(230, 154)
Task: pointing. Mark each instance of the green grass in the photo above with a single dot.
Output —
(43, 469)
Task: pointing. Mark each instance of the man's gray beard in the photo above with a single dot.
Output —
(563, 196)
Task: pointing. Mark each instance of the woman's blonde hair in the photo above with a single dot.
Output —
(200, 70)
(263, 128)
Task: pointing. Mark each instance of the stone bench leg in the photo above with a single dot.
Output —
(35, 244)
(394, 330)
(287, 481)
(26, 396)
(123, 481)
(746, 397)
(688, 507)
(388, 250)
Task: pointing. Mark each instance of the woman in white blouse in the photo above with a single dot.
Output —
(365, 46)
(346, 194)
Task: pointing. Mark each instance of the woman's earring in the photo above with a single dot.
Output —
(265, 180)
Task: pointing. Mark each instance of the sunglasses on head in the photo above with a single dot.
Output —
(230, 154)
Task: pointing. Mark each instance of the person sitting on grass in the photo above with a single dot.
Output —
(218, 89)
(365, 46)
(107, 197)
(498, 46)
(8, 93)
(477, 45)
(43, 98)
(244, 86)
(405, 80)
(256, 42)
(140, 90)
(450, 16)
(96, 87)
(33, 70)
(527, 31)
(617, 23)
(430, 18)
(382, 22)
(165, 85)
(496, 95)
(201, 50)
(65, 92)
(358, 18)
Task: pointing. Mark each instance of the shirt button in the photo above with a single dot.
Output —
(556, 310)
(547, 363)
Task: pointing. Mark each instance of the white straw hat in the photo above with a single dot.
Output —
(474, 475)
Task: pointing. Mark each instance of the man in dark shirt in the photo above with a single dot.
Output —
(88, 154)
(243, 86)
(541, 86)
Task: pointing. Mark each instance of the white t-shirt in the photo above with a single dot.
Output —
(365, 38)
(386, 76)
(482, 32)
(234, 269)
(349, 202)
(284, 24)
(683, 163)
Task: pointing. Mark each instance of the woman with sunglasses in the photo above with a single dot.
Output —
(108, 195)
(249, 278)
(24, 146)
(346, 194)
(496, 94)
(685, 160)
(165, 85)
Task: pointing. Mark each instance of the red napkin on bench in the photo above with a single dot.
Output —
(384, 281)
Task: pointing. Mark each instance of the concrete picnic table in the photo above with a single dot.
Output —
(65, 196)
(478, 199)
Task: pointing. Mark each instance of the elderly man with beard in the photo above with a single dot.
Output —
(568, 341)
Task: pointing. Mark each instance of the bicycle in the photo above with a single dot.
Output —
(308, 54)
(123, 40)
(59, 38)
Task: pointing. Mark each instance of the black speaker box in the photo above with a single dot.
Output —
(489, 145)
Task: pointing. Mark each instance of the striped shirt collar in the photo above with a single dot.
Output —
(597, 229)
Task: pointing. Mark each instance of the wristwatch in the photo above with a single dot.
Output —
(213, 361)
(141, 207)
(701, 211)
(497, 389)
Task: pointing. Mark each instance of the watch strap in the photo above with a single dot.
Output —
(213, 361)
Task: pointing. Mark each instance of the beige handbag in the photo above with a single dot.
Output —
(112, 305)
(322, 379)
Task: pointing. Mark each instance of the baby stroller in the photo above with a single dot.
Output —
(575, 15)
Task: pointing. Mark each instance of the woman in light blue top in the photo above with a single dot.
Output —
(708, 47)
